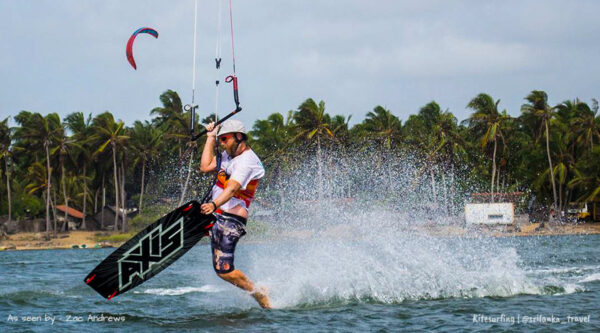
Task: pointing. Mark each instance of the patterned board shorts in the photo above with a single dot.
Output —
(224, 235)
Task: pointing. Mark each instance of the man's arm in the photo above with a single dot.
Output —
(228, 192)
(208, 162)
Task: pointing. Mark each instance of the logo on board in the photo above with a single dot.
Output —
(155, 248)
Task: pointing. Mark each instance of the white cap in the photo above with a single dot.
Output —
(231, 126)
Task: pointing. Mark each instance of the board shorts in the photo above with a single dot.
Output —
(224, 235)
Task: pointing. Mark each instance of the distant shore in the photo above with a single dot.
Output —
(523, 230)
(90, 239)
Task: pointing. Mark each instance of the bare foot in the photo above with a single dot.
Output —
(261, 295)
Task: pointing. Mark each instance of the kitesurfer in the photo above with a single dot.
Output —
(237, 180)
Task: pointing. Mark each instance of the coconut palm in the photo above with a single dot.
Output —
(586, 125)
(81, 128)
(174, 121)
(487, 120)
(432, 132)
(539, 109)
(587, 176)
(5, 152)
(65, 147)
(36, 179)
(382, 126)
(271, 137)
(146, 144)
(36, 133)
(110, 132)
(341, 130)
(313, 123)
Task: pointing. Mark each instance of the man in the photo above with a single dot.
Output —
(237, 181)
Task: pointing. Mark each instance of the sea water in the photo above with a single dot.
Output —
(344, 279)
(370, 263)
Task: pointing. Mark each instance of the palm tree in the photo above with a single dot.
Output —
(146, 143)
(36, 179)
(432, 131)
(172, 119)
(587, 176)
(539, 109)
(487, 120)
(312, 123)
(65, 147)
(5, 152)
(37, 133)
(585, 124)
(82, 133)
(271, 136)
(384, 127)
(341, 130)
(110, 132)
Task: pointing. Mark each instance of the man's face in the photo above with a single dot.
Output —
(227, 142)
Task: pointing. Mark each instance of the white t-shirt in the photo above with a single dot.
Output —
(243, 169)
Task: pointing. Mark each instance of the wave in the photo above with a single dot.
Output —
(386, 263)
(180, 290)
(591, 278)
(567, 270)
(27, 297)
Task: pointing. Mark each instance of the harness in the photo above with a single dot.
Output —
(246, 195)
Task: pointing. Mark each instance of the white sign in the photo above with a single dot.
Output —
(490, 213)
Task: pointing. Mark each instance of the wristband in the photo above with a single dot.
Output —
(214, 204)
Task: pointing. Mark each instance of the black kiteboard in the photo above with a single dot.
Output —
(150, 251)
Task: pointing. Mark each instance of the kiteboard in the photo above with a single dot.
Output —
(150, 251)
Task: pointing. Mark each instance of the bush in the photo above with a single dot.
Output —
(148, 216)
(24, 206)
(115, 238)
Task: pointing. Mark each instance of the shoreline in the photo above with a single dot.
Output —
(89, 239)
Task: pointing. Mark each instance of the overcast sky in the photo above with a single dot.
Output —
(69, 55)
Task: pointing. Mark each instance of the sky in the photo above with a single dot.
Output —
(65, 56)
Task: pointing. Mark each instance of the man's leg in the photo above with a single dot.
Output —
(240, 280)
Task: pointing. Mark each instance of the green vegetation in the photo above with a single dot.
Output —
(552, 152)
(115, 238)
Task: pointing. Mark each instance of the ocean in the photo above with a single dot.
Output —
(324, 281)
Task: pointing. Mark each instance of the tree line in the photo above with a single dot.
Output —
(86, 162)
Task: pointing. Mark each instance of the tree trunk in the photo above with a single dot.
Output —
(389, 171)
(123, 198)
(187, 180)
(54, 215)
(46, 144)
(103, 202)
(498, 188)
(550, 163)
(142, 190)
(116, 228)
(8, 189)
(494, 169)
(64, 188)
(560, 200)
(452, 187)
(445, 191)
(433, 187)
(96, 193)
(320, 169)
(83, 226)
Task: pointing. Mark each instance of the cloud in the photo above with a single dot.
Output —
(68, 55)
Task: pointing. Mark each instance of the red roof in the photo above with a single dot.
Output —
(73, 212)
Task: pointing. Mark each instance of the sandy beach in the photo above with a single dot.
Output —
(91, 239)
(37, 241)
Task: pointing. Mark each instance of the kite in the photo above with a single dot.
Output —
(129, 48)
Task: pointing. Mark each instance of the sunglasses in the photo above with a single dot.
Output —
(224, 138)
